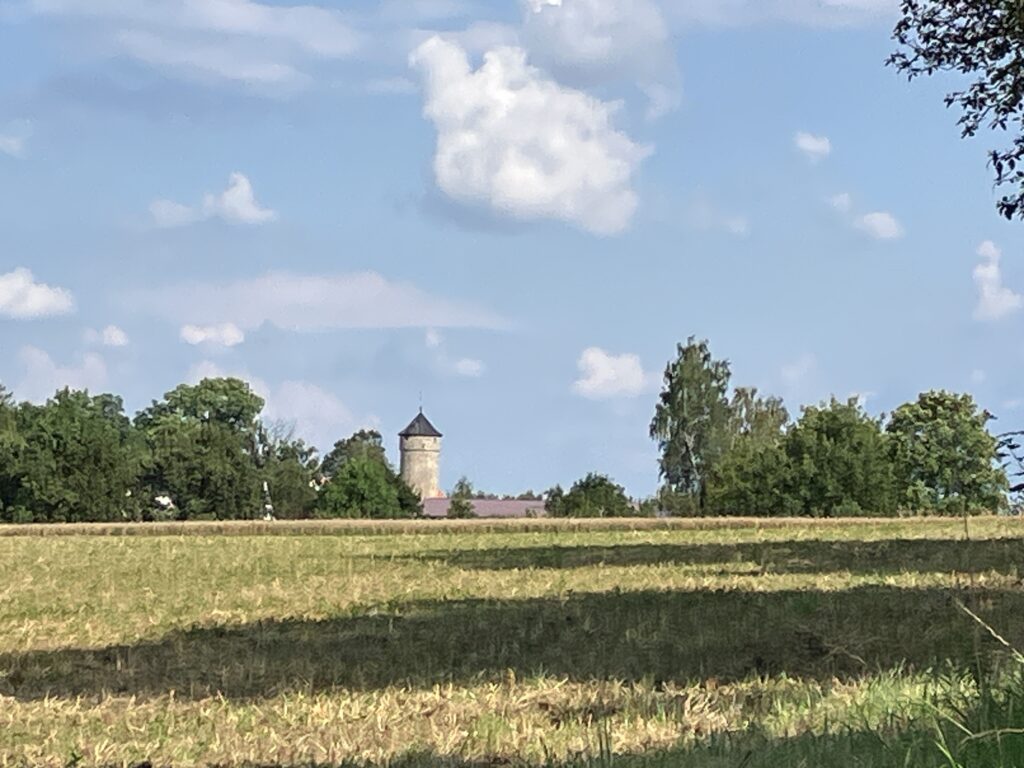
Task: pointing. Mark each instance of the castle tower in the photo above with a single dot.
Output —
(420, 449)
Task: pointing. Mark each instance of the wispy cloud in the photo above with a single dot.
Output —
(312, 303)
(240, 41)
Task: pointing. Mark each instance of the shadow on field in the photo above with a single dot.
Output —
(888, 556)
(657, 636)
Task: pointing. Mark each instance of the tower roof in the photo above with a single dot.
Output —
(420, 427)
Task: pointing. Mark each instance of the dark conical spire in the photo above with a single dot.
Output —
(420, 427)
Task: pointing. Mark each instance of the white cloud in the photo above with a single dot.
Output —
(228, 40)
(167, 213)
(236, 205)
(978, 376)
(111, 336)
(14, 138)
(21, 297)
(43, 377)
(881, 225)
(512, 139)
(603, 375)
(469, 367)
(995, 300)
(814, 147)
(593, 41)
(223, 335)
(312, 303)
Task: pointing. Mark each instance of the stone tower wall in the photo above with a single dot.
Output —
(421, 465)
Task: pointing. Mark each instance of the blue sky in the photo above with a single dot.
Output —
(516, 209)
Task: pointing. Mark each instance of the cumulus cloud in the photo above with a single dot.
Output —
(222, 335)
(880, 225)
(594, 41)
(21, 297)
(43, 376)
(240, 41)
(814, 147)
(111, 336)
(995, 300)
(236, 205)
(311, 303)
(518, 142)
(604, 375)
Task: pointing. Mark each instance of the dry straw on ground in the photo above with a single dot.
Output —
(537, 642)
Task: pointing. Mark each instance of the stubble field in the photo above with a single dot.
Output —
(613, 643)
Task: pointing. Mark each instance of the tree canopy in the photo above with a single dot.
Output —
(984, 42)
(944, 458)
(692, 419)
(592, 496)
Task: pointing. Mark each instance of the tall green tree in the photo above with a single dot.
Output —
(944, 457)
(368, 444)
(693, 419)
(752, 477)
(361, 488)
(761, 420)
(204, 446)
(365, 442)
(75, 458)
(983, 43)
(839, 462)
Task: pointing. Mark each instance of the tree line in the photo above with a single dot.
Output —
(726, 451)
(202, 452)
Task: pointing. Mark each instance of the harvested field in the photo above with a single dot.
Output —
(703, 643)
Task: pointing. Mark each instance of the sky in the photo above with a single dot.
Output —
(510, 212)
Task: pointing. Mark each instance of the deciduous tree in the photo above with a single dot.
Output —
(982, 40)
(944, 458)
(693, 419)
